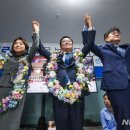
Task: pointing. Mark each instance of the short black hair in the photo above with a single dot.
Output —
(111, 30)
(65, 37)
(104, 95)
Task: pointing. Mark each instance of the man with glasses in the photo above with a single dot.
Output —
(116, 74)
(68, 116)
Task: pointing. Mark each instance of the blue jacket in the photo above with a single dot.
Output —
(107, 119)
(116, 68)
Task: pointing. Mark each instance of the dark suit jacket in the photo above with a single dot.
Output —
(71, 69)
(115, 66)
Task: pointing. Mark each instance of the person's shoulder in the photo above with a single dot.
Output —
(102, 45)
(103, 110)
(124, 45)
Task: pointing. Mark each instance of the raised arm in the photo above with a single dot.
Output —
(88, 35)
(43, 51)
(35, 37)
(88, 26)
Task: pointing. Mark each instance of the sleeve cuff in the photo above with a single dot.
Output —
(88, 29)
(91, 28)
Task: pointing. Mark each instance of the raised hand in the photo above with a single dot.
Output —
(36, 26)
(88, 20)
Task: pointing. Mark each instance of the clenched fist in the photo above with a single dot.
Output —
(36, 26)
(88, 20)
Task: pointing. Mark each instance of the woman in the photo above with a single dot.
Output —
(19, 50)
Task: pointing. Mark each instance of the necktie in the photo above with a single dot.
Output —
(67, 63)
(67, 59)
(121, 50)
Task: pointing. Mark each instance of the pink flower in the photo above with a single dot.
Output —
(17, 96)
(57, 86)
(77, 50)
(5, 100)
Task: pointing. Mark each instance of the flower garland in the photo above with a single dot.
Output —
(15, 97)
(69, 93)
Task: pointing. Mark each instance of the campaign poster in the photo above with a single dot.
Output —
(36, 83)
(89, 68)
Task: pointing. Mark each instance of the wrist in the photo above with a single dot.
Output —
(36, 31)
(90, 28)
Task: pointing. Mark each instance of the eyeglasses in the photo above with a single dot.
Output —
(114, 33)
(67, 41)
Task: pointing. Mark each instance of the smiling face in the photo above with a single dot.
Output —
(113, 37)
(66, 44)
(19, 46)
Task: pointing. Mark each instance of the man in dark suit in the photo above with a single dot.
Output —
(68, 116)
(116, 73)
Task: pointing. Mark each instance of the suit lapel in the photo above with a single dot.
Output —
(72, 61)
(112, 47)
(127, 47)
(61, 62)
(60, 58)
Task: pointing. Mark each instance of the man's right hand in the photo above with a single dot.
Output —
(88, 20)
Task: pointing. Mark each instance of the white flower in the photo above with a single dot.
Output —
(52, 74)
(68, 93)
